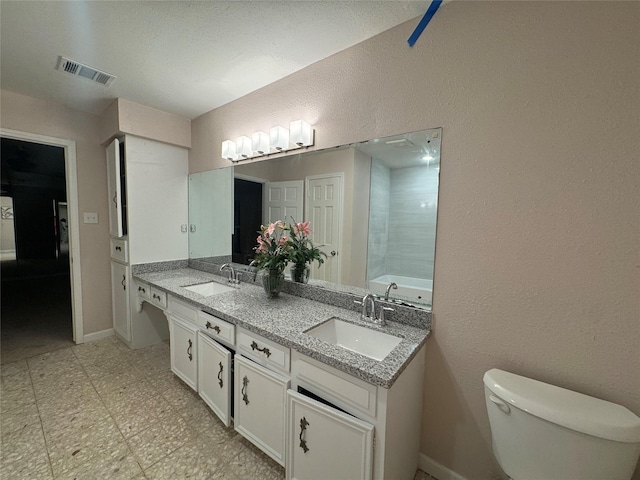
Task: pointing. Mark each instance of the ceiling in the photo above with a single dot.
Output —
(178, 56)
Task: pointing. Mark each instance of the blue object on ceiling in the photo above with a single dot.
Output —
(431, 11)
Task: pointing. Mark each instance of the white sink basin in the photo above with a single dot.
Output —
(210, 288)
(363, 340)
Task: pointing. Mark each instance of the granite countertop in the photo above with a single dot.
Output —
(285, 319)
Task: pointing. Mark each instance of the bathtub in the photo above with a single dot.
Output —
(415, 290)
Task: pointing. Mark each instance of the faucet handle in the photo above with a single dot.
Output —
(384, 309)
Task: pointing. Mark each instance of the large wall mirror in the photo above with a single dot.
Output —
(372, 207)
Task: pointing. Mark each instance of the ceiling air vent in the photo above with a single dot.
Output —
(85, 71)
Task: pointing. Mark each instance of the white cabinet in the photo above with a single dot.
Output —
(120, 280)
(157, 200)
(260, 406)
(148, 215)
(326, 443)
(184, 351)
(214, 376)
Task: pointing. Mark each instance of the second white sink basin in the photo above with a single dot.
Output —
(363, 340)
(210, 288)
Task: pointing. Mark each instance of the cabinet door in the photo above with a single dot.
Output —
(323, 442)
(260, 406)
(214, 377)
(184, 358)
(120, 300)
(115, 189)
(157, 196)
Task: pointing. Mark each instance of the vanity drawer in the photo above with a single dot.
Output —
(143, 289)
(158, 298)
(184, 310)
(119, 250)
(344, 390)
(217, 328)
(263, 351)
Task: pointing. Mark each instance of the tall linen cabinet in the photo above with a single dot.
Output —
(148, 216)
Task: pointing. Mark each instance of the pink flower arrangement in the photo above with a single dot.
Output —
(272, 251)
(279, 243)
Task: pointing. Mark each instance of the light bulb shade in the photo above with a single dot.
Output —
(260, 143)
(229, 151)
(243, 145)
(278, 139)
(301, 134)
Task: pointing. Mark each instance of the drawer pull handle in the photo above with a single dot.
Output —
(245, 397)
(140, 289)
(265, 350)
(124, 287)
(189, 350)
(118, 249)
(303, 428)
(157, 297)
(220, 376)
(215, 328)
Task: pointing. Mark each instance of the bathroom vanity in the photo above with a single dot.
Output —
(318, 409)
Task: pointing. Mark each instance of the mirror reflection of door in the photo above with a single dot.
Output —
(283, 201)
(246, 219)
(324, 210)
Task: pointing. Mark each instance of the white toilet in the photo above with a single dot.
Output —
(544, 432)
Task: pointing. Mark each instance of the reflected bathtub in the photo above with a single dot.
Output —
(416, 290)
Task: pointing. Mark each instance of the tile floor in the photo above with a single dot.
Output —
(102, 411)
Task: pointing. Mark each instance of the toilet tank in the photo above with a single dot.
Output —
(543, 431)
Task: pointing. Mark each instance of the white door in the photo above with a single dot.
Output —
(120, 299)
(324, 210)
(260, 402)
(214, 377)
(324, 443)
(184, 359)
(283, 201)
(115, 190)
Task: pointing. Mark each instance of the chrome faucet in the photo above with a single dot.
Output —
(232, 278)
(369, 310)
(389, 287)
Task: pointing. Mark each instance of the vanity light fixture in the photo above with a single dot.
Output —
(260, 144)
(243, 145)
(229, 151)
(301, 134)
(279, 139)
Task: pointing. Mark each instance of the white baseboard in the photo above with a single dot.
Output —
(92, 337)
(433, 468)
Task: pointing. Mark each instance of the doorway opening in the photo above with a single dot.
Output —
(37, 227)
(247, 218)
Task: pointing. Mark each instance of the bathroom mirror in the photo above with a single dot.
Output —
(372, 207)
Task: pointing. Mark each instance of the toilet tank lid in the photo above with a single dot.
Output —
(570, 409)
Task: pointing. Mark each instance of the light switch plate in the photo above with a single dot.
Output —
(90, 217)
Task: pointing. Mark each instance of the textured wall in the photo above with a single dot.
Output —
(27, 114)
(537, 260)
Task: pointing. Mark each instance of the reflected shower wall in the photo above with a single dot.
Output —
(402, 227)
